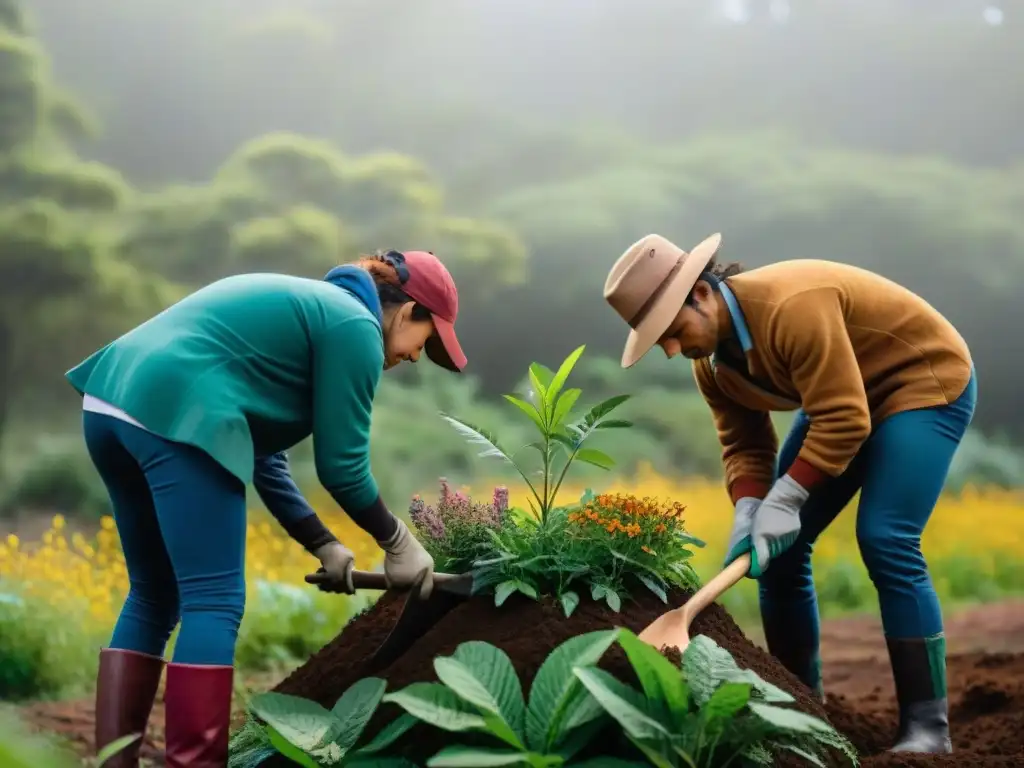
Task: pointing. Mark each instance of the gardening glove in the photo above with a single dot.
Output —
(743, 520)
(776, 523)
(406, 561)
(337, 562)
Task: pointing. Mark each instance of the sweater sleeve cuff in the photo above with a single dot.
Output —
(310, 532)
(744, 487)
(807, 475)
(376, 520)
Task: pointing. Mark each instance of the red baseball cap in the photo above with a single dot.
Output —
(429, 283)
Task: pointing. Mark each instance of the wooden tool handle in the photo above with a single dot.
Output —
(375, 580)
(727, 578)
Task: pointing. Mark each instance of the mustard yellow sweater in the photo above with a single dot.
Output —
(848, 346)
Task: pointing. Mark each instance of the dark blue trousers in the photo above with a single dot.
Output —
(181, 518)
(900, 472)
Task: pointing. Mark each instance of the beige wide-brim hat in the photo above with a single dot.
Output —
(648, 285)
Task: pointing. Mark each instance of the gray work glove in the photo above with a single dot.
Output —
(776, 523)
(743, 520)
(337, 562)
(406, 561)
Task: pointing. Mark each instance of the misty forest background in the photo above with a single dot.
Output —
(147, 148)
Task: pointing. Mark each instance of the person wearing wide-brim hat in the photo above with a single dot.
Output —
(884, 389)
(183, 411)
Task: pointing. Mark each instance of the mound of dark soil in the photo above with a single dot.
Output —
(526, 630)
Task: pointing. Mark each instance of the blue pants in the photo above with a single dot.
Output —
(900, 472)
(181, 519)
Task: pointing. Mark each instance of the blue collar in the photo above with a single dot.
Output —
(357, 281)
(739, 323)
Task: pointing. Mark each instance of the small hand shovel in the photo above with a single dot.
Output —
(672, 628)
(418, 615)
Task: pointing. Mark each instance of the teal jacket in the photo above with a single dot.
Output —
(251, 365)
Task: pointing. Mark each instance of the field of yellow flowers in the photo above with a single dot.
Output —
(60, 595)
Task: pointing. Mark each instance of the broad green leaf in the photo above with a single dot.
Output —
(555, 685)
(581, 737)
(563, 439)
(622, 703)
(475, 757)
(563, 407)
(388, 735)
(289, 750)
(528, 409)
(725, 703)
(560, 377)
(437, 705)
(790, 720)
(595, 457)
(569, 600)
(504, 590)
(355, 708)
(300, 721)
(614, 424)
(706, 665)
(611, 597)
(484, 676)
(526, 588)
(660, 679)
(115, 747)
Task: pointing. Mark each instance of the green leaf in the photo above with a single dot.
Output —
(563, 407)
(529, 409)
(483, 675)
(611, 597)
(503, 591)
(660, 679)
(542, 373)
(569, 600)
(289, 750)
(388, 735)
(479, 436)
(707, 665)
(355, 708)
(595, 457)
(654, 586)
(437, 705)
(526, 588)
(622, 703)
(475, 757)
(556, 691)
(602, 409)
(559, 379)
(542, 394)
(300, 721)
(613, 424)
(725, 703)
(790, 720)
(115, 747)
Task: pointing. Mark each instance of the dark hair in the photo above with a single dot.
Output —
(714, 274)
(388, 270)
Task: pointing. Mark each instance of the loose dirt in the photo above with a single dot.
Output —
(986, 672)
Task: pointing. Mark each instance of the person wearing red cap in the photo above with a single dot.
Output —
(181, 412)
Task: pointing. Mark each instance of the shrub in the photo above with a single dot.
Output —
(456, 530)
(59, 476)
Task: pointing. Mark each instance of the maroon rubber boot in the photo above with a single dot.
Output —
(197, 700)
(126, 687)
